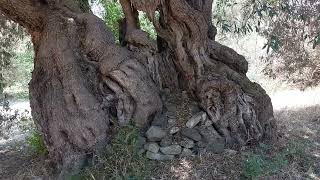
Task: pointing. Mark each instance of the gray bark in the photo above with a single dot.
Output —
(82, 79)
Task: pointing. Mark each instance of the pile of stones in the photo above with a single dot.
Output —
(166, 138)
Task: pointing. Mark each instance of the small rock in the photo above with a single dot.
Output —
(166, 91)
(141, 141)
(171, 150)
(184, 94)
(194, 120)
(187, 143)
(194, 108)
(155, 133)
(317, 169)
(191, 133)
(172, 122)
(208, 133)
(158, 156)
(214, 142)
(217, 146)
(141, 151)
(166, 141)
(186, 152)
(208, 122)
(174, 130)
(201, 144)
(170, 113)
(152, 147)
(201, 151)
(160, 120)
(171, 110)
(231, 152)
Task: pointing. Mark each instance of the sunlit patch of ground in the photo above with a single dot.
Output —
(295, 98)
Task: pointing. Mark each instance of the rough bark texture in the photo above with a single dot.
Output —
(214, 75)
(82, 79)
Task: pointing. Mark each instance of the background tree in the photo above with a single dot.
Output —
(292, 31)
(10, 33)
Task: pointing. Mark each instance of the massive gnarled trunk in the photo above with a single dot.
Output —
(82, 79)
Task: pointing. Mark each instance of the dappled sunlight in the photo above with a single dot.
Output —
(183, 170)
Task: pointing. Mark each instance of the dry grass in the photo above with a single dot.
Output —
(298, 145)
(207, 166)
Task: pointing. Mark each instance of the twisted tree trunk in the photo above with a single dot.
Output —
(214, 75)
(82, 79)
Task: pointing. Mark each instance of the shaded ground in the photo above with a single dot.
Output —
(16, 164)
(298, 126)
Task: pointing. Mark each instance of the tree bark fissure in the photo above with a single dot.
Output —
(82, 79)
(63, 96)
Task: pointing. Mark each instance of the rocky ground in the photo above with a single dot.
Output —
(299, 126)
(184, 130)
(295, 126)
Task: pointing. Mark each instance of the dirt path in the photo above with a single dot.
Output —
(17, 163)
(12, 161)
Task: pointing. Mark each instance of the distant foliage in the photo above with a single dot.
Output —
(16, 58)
(10, 33)
(18, 74)
(114, 13)
(292, 30)
(294, 36)
(147, 26)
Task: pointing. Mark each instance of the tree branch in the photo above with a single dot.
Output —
(131, 15)
(28, 13)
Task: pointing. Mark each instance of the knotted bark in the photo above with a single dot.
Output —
(213, 74)
(82, 80)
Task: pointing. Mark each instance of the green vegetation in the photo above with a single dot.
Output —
(114, 14)
(10, 33)
(36, 143)
(34, 140)
(261, 163)
(147, 26)
(18, 74)
(122, 159)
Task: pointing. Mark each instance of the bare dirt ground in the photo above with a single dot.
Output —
(298, 117)
(16, 164)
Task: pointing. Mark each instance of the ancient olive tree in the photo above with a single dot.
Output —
(82, 79)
